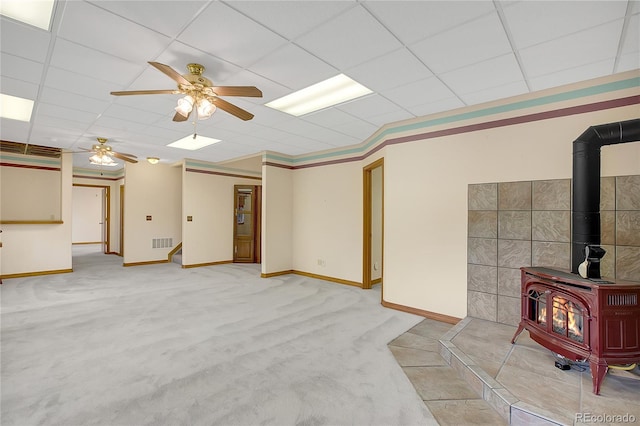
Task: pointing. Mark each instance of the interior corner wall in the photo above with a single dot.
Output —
(208, 199)
(426, 187)
(155, 191)
(277, 219)
(327, 221)
(41, 248)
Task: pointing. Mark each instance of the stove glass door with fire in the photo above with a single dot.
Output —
(556, 312)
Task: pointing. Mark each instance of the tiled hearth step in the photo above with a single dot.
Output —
(445, 392)
(507, 405)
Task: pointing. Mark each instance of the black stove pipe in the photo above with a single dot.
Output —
(586, 184)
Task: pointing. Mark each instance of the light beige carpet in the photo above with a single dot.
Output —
(161, 345)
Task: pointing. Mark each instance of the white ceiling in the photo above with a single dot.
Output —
(418, 57)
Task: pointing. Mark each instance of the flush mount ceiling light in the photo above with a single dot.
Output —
(193, 142)
(327, 93)
(153, 160)
(33, 12)
(15, 108)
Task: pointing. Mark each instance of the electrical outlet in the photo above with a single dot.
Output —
(321, 262)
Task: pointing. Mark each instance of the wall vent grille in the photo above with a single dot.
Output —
(625, 299)
(159, 243)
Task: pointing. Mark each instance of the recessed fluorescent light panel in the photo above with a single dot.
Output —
(193, 142)
(15, 108)
(32, 12)
(333, 91)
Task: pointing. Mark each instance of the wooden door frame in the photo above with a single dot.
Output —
(121, 251)
(256, 212)
(107, 214)
(366, 222)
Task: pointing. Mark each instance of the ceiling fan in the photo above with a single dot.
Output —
(200, 93)
(103, 153)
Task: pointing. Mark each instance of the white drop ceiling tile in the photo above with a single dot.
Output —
(14, 130)
(358, 129)
(161, 104)
(491, 73)
(20, 68)
(89, 25)
(441, 105)
(23, 40)
(19, 88)
(628, 62)
(577, 49)
(115, 124)
(411, 21)
(66, 113)
(585, 72)
(293, 67)
(55, 136)
(361, 38)
(79, 84)
(466, 44)
(291, 18)
(132, 114)
(391, 70)
(166, 17)
(59, 122)
(216, 31)
(369, 106)
(63, 98)
(534, 22)
(329, 117)
(390, 117)
(428, 90)
(160, 133)
(503, 91)
(82, 60)
(631, 41)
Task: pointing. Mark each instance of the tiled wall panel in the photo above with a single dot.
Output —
(515, 224)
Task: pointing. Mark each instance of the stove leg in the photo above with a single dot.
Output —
(598, 371)
(518, 331)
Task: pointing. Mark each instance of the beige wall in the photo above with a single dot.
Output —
(327, 221)
(38, 248)
(208, 198)
(425, 256)
(153, 190)
(277, 218)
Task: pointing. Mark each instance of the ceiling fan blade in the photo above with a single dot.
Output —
(146, 92)
(237, 91)
(123, 157)
(125, 154)
(179, 117)
(175, 75)
(231, 109)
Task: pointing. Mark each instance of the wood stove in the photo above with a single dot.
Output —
(585, 320)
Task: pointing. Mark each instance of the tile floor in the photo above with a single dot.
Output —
(471, 374)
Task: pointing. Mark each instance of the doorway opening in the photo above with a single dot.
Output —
(373, 224)
(247, 224)
(91, 216)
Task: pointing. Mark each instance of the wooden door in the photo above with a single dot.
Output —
(244, 230)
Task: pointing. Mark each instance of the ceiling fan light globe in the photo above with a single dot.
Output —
(205, 109)
(185, 105)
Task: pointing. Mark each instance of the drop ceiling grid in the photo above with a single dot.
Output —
(394, 48)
